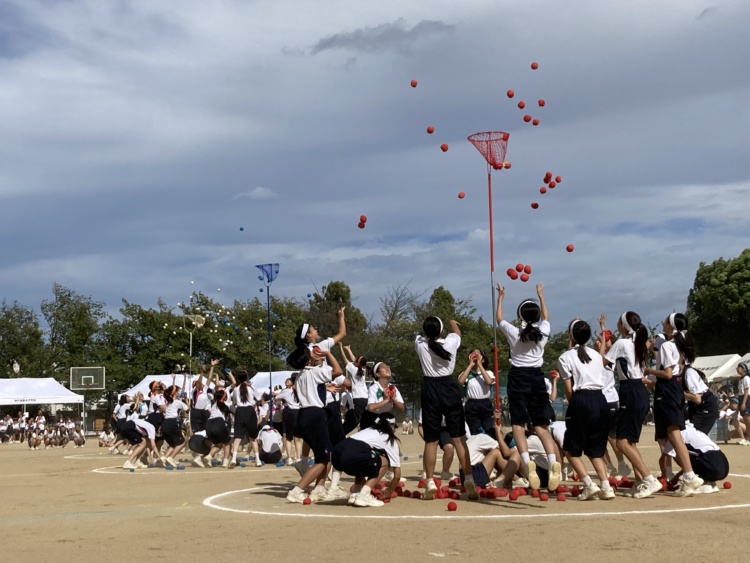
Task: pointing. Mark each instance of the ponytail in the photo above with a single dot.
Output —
(433, 328)
(242, 376)
(361, 366)
(219, 401)
(631, 321)
(168, 394)
(580, 332)
(382, 424)
(529, 312)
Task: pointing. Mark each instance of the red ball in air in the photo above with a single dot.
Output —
(512, 274)
(541, 103)
(534, 205)
(543, 190)
(727, 485)
(570, 248)
(452, 506)
(414, 83)
(307, 501)
(535, 122)
(510, 93)
(558, 179)
(534, 65)
(444, 147)
(363, 218)
(507, 164)
(361, 225)
(524, 277)
(552, 184)
(430, 129)
(527, 269)
(461, 195)
(519, 268)
(521, 104)
(527, 118)
(547, 174)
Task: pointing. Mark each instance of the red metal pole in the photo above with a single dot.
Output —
(492, 290)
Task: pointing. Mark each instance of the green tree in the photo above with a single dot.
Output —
(22, 341)
(718, 306)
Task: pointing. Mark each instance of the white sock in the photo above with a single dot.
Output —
(296, 490)
(525, 458)
(335, 476)
(586, 481)
(605, 485)
(552, 459)
(234, 456)
(689, 475)
(364, 491)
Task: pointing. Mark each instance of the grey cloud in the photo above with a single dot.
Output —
(384, 36)
(708, 12)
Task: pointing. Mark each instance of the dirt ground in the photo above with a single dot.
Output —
(78, 505)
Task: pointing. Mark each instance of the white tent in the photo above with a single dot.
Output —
(144, 383)
(261, 379)
(35, 391)
(717, 368)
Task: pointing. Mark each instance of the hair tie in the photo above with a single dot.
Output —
(305, 328)
(625, 323)
(377, 420)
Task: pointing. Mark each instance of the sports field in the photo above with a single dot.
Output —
(78, 505)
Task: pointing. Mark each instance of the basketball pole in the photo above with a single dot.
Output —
(492, 291)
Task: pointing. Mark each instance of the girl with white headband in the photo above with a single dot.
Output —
(442, 397)
(528, 398)
(669, 397)
(587, 416)
(477, 383)
(382, 397)
(743, 390)
(628, 357)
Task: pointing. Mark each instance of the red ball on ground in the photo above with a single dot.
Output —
(444, 147)
(561, 497)
(483, 494)
(363, 218)
(541, 103)
(552, 184)
(570, 248)
(461, 195)
(406, 493)
(430, 129)
(361, 225)
(524, 277)
(416, 494)
(558, 179)
(535, 122)
(527, 118)
(534, 65)
(510, 93)
(455, 495)
(534, 205)
(445, 489)
(413, 83)
(387, 499)
(438, 482)
(513, 495)
(422, 483)
(513, 274)
(502, 493)
(307, 501)
(463, 489)
(452, 506)
(543, 190)
(727, 485)
(544, 497)
(576, 491)
(521, 104)
(535, 493)
(527, 269)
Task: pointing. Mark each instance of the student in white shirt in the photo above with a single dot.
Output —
(477, 383)
(442, 398)
(628, 358)
(669, 396)
(587, 416)
(706, 458)
(245, 399)
(201, 403)
(217, 429)
(120, 415)
(171, 428)
(367, 456)
(702, 404)
(269, 445)
(490, 453)
(311, 385)
(356, 372)
(382, 396)
(743, 394)
(527, 393)
(106, 438)
(290, 412)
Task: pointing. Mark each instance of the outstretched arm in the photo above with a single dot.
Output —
(341, 334)
(500, 295)
(542, 303)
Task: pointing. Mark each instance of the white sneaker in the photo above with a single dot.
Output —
(139, 465)
(336, 493)
(367, 500)
(225, 463)
(623, 469)
(632, 490)
(319, 494)
(707, 488)
(207, 461)
(555, 473)
(232, 463)
(258, 463)
(171, 462)
(533, 477)
(352, 498)
(521, 482)
(606, 494)
(565, 470)
(471, 488)
(430, 490)
(591, 492)
(689, 488)
(128, 465)
(648, 487)
(296, 497)
(197, 461)
(300, 467)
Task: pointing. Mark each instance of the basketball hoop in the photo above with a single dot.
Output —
(197, 320)
(492, 145)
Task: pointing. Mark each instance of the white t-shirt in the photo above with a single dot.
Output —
(479, 446)
(376, 394)
(557, 429)
(477, 387)
(334, 397)
(107, 437)
(695, 440)
(174, 408)
(669, 356)
(347, 401)
(137, 413)
(742, 385)
(585, 376)
(379, 441)
(432, 366)
(659, 341)
(270, 440)
(202, 400)
(610, 393)
(155, 402)
(253, 396)
(694, 383)
(536, 452)
(147, 426)
(287, 395)
(262, 411)
(525, 354)
(307, 385)
(359, 385)
(622, 356)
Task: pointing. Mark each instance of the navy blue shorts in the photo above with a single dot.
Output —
(313, 428)
(171, 431)
(217, 431)
(480, 416)
(198, 419)
(669, 402)
(289, 423)
(614, 410)
(199, 444)
(586, 424)
(442, 397)
(633, 410)
(356, 458)
(704, 415)
(479, 472)
(335, 425)
(527, 397)
(246, 423)
(130, 433)
(710, 466)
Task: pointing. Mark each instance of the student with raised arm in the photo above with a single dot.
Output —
(527, 392)
(356, 372)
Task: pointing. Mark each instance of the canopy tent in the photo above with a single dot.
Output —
(261, 379)
(717, 368)
(35, 391)
(143, 384)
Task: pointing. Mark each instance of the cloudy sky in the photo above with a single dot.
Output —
(138, 137)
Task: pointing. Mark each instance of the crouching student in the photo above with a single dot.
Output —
(368, 455)
(708, 461)
(269, 445)
(488, 455)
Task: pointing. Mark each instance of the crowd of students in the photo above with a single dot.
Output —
(39, 433)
